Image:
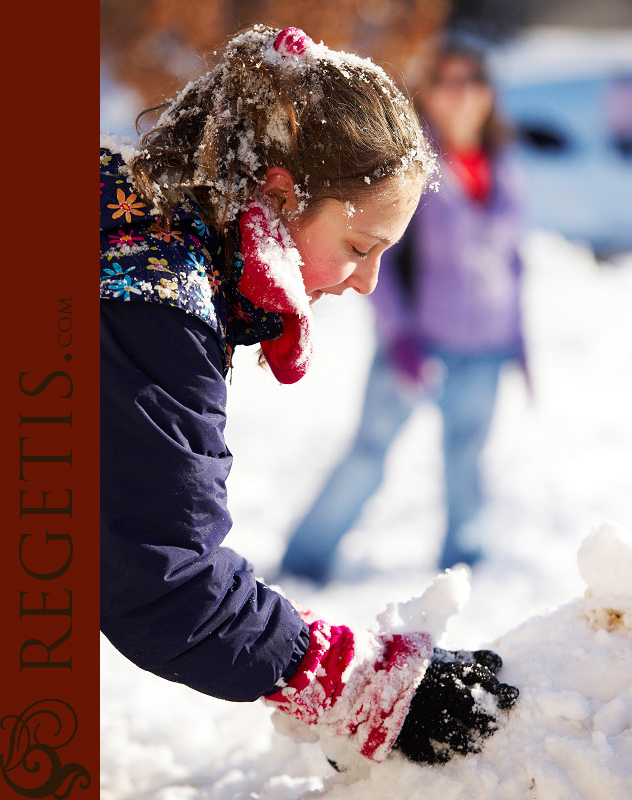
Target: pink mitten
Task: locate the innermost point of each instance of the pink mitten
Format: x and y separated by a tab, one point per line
353	690
272	280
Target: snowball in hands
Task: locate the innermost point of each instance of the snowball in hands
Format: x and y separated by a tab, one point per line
362	694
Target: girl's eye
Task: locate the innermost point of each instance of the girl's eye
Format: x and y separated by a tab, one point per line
358	254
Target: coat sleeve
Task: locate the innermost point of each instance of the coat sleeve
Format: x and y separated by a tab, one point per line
173	600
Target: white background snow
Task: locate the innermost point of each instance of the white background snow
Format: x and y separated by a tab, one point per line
557	466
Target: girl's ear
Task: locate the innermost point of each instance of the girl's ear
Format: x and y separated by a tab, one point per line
278	187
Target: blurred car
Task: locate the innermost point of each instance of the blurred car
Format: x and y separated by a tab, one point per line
574	142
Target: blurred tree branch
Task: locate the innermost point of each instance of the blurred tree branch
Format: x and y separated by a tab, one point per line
155	46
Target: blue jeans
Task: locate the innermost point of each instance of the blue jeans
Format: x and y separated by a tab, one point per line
466	402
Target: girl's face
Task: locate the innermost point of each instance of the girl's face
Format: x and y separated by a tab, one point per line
459	101
341	244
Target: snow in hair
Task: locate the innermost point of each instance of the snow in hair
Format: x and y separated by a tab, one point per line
336	121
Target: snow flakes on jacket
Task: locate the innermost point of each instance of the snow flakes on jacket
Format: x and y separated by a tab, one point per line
143	260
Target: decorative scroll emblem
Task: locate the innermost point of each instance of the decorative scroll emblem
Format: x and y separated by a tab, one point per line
32	767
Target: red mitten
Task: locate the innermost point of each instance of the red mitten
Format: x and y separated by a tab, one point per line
272	280
353	690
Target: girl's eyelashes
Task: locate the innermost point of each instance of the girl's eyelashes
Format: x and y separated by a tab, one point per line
358	254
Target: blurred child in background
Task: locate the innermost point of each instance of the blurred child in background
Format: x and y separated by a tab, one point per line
448	297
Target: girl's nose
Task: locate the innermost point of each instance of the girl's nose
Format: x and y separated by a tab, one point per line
364	279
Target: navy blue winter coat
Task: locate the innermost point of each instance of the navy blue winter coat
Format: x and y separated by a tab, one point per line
173	600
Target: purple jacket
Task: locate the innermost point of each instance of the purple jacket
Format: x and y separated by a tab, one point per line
463	289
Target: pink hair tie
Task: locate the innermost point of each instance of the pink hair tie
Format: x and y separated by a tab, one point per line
292	42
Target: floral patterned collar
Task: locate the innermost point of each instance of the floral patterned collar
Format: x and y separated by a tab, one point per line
182	265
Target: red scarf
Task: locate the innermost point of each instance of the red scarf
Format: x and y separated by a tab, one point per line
473	171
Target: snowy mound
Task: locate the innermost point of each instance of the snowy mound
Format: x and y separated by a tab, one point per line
570	735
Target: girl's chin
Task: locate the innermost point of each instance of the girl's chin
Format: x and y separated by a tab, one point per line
314	296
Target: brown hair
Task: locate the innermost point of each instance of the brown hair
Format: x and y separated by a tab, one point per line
334	120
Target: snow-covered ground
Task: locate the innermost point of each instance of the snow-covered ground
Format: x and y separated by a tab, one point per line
558	467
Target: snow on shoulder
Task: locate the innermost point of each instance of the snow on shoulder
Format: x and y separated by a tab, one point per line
124	145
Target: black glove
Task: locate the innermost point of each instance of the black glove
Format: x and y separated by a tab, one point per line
444	717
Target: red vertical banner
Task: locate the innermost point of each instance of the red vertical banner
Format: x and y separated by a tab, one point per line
49	699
